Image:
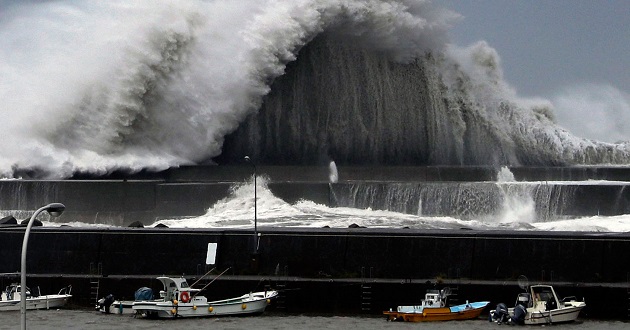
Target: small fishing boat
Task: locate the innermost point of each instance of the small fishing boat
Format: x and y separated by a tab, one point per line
11	297
538	305
178	299
434	308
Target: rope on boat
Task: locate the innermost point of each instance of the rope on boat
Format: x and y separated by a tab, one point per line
204	275
214	279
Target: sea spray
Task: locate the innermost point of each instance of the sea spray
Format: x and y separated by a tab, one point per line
99	87
333	175
517	205
104	86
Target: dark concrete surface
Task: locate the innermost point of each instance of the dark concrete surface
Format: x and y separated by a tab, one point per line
324	270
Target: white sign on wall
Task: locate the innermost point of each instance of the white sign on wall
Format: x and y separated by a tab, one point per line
211	257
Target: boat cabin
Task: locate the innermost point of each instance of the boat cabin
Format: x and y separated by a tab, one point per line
13	292
539	297
433	298
172	287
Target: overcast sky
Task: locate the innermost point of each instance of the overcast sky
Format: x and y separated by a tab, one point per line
575	53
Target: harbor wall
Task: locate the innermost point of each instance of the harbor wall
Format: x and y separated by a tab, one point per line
329	261
239	173
121	199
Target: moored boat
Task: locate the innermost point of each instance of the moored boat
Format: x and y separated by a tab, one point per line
434	308
179	300
538	305
11	297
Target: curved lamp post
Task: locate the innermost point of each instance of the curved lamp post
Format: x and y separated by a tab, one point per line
55	210
247	159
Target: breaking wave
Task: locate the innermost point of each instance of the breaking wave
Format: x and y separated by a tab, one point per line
98	87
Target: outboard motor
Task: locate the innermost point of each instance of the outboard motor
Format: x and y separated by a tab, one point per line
105	303
519	314
500	314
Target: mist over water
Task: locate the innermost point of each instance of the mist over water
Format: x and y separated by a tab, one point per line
606	107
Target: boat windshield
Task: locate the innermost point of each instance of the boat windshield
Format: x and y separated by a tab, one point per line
543	294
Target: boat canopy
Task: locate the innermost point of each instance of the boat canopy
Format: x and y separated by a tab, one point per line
174	283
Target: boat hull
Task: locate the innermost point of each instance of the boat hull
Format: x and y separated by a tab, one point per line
41	302
561	315
437	314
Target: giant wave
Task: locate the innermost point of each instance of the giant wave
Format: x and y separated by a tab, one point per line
99	87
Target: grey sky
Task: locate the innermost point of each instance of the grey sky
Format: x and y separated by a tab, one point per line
573	52
547	44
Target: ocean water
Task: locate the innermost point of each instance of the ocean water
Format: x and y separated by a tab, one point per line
83	319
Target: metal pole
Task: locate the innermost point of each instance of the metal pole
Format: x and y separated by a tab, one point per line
256	237
23	274
255	209
55	210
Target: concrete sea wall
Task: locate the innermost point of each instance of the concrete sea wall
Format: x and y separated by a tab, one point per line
354	270
121	199
312	267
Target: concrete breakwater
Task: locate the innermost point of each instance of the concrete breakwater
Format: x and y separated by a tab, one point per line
121	199
332	270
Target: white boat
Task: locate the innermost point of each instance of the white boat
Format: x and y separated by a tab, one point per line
539	305
11	297
179	300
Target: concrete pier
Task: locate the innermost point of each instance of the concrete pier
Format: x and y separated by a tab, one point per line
353	270
331	270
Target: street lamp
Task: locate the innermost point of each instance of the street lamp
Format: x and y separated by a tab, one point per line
55	210
247	159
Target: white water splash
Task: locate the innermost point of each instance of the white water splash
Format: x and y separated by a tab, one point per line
333	175
99	86
505	175
236	211
518	205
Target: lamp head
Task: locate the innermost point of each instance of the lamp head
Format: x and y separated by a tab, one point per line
55	209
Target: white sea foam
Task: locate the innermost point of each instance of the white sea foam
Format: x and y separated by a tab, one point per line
237	211
146	85
100	86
